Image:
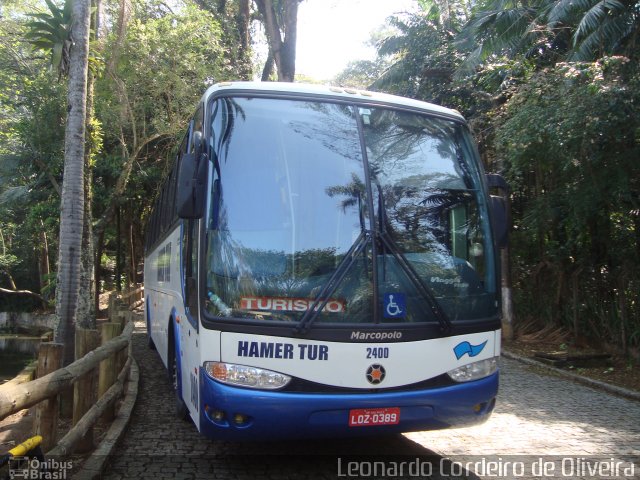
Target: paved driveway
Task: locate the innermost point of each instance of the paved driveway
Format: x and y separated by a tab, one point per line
538	414
540	421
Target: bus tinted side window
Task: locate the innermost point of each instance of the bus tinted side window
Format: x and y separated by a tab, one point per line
190	232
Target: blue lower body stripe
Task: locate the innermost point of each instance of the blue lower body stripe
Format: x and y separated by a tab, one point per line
231	413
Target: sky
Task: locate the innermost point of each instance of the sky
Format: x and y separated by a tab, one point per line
331	33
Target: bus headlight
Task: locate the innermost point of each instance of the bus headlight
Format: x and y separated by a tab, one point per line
243	376
474	371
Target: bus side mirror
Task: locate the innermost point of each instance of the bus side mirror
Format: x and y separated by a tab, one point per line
499	209
191	185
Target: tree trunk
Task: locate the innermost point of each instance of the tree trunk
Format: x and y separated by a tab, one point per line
268	68
288	53
507	299
132	254
124	11
43	264
12	283
72	202
86	310
281	38
118	252
243	20
97	269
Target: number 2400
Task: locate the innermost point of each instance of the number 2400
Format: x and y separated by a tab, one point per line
378	352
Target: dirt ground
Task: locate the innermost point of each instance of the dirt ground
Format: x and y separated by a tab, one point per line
15	429
616	369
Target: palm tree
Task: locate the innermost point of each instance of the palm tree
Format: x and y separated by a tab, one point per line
551	30
512	28
600	27
64	32
72	203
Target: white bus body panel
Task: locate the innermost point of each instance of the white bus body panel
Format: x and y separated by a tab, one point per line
164	303
345	364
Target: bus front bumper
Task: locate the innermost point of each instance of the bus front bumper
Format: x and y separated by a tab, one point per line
232	413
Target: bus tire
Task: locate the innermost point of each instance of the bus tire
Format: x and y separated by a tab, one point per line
181	411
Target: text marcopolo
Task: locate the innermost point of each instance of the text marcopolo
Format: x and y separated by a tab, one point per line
357	335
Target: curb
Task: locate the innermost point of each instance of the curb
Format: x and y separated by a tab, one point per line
597	384
93	466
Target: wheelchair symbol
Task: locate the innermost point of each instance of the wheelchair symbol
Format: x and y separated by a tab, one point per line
394	305
393	309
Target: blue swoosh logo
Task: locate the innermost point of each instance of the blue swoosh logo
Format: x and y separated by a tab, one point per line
464	348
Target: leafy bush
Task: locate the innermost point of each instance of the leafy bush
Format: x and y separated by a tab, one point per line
570	140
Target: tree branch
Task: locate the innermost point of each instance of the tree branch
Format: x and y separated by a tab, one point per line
28	293
274	39
52	179
121	183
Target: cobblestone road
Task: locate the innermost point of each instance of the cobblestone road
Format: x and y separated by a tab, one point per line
537	415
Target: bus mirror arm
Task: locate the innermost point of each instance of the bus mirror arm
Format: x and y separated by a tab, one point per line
191	185
499	205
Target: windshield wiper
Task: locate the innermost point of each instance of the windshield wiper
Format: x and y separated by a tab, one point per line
390	245
341	271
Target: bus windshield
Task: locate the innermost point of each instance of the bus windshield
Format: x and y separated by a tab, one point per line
363	214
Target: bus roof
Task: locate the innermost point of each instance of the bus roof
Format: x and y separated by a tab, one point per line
330	92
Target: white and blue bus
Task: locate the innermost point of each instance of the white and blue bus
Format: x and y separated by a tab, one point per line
322	262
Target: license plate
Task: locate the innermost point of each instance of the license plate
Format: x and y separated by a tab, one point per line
367	417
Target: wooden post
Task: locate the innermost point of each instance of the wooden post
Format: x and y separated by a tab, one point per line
14	398
46	418
122	304
113	296
122	319
113	314
121	356
84	390
108	366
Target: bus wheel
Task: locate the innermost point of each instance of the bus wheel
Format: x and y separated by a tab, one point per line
181	410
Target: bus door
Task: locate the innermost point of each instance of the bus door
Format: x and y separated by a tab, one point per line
190	354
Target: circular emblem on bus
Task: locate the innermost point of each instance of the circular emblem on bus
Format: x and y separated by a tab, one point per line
376	374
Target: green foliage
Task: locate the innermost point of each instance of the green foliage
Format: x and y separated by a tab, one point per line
165	65
569	139
361	73
151	74
423	61
549	30
32	111
599	27
567	135
51	32
7	262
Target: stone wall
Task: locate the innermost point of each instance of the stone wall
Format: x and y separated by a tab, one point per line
39	321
